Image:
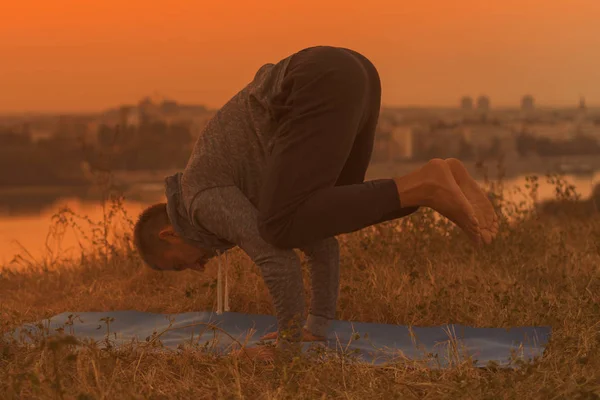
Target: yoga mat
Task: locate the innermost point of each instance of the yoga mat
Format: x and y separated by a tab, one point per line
378	343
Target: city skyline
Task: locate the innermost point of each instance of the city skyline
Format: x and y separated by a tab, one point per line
457	105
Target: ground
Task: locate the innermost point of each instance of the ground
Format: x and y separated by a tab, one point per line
541	270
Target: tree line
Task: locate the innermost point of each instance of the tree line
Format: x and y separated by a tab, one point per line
60	159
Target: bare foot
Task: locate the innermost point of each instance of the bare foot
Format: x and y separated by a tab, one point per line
484	211
434	186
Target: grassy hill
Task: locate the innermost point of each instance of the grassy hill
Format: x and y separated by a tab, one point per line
543	269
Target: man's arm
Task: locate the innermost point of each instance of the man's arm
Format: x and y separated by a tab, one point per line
324	264
226	212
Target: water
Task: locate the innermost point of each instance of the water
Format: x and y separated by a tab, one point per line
27	227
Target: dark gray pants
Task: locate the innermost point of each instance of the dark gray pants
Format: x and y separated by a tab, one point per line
326	115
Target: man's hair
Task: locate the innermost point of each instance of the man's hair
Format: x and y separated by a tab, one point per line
145	233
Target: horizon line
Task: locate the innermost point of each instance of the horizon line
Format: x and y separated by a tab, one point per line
383	106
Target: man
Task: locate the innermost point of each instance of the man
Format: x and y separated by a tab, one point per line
281	166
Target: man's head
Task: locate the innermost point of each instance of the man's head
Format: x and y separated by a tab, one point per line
161	247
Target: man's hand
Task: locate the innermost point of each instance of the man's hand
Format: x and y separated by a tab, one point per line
306	336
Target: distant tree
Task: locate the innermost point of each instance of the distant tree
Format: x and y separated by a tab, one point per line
154	133
545	147
106	136
465	149
10	138
180	134
525	144
495	147
584	144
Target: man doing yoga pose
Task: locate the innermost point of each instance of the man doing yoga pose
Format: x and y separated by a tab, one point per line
281	166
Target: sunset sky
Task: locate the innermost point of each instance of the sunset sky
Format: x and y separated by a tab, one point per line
65	55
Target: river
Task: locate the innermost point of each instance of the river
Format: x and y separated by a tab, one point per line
28	227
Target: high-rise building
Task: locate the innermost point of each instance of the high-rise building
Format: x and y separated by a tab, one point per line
483	103
527	103
580	118
466	103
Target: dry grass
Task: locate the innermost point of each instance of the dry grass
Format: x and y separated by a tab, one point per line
542	270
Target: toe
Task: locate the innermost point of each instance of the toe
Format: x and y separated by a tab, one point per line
477	239
487	236
474	221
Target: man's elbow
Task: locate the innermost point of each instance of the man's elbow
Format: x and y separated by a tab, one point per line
276	233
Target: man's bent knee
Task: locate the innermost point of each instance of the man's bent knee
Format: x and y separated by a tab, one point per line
279	234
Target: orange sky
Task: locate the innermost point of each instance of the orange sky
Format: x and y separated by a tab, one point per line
66	55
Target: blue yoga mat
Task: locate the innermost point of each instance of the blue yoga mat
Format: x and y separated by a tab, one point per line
369	342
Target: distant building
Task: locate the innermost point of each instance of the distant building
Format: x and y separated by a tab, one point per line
403	137
148	110
483	134
527	103
381	146
169	107
581	119
466	103
483	103
563	130
152	109
489	141
393	142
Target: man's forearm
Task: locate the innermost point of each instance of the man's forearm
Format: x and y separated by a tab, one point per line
324	264
226	212
283	276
